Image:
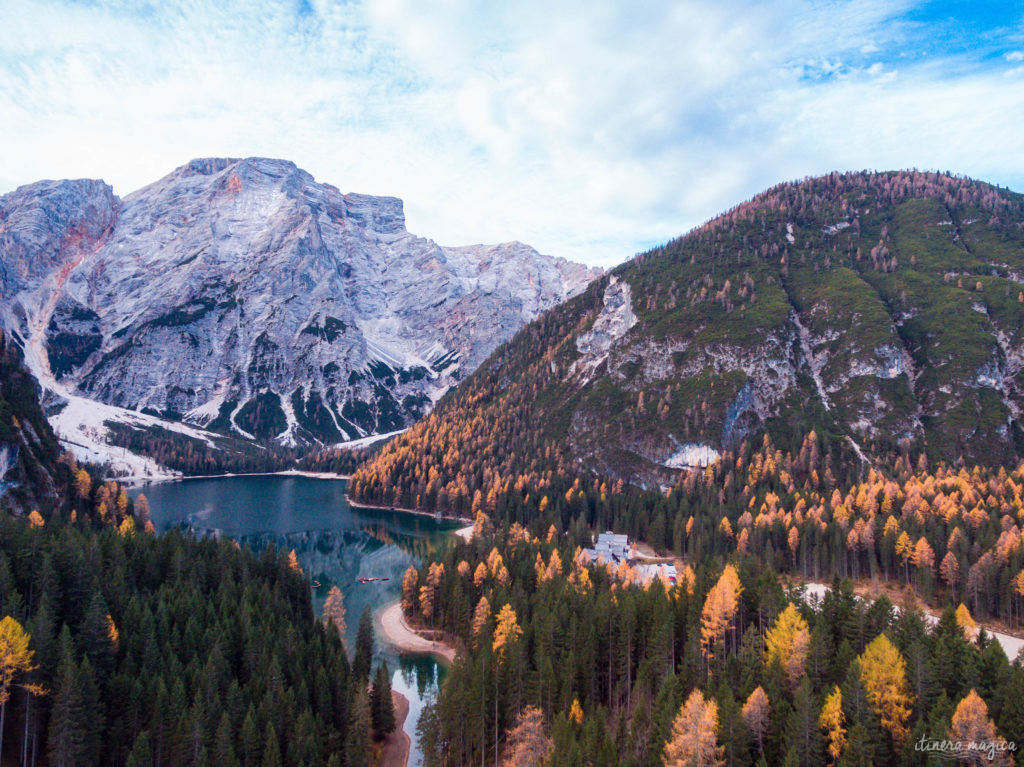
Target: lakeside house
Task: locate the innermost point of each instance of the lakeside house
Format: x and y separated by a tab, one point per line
614	549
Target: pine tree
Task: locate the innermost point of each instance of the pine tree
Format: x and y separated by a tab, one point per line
364	648
382	707
803	737
251	745
141	754
357	744
66	733
271	749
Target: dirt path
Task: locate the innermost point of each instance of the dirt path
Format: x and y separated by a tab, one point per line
395	629
395	750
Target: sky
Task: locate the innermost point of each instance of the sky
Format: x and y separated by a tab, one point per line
590	130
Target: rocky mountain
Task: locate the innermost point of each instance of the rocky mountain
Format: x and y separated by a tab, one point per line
885	311
244	297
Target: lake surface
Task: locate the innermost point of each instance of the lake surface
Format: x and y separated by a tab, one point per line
335	543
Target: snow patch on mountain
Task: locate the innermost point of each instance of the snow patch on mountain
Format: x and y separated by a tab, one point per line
692	456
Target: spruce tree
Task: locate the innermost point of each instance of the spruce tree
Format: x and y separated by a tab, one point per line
382	707
66	734
141	754
364	648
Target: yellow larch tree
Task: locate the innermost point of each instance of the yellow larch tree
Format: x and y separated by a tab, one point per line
972	724
694	738
966	623
554	568
905	551
755	715
832	721
334	607
883	672
480	575
409	582
576	712
788	641
481	617
720	608
507	630
15	659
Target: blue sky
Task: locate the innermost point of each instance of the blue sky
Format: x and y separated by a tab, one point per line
590	130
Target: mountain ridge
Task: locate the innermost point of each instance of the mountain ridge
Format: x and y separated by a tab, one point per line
242	296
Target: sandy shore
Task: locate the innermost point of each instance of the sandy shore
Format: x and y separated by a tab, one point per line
465	533
395	751
404	638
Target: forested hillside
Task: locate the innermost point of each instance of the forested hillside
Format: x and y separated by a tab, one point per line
883	311
121	647
29	473
567	663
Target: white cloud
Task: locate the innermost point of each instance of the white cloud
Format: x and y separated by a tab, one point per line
1015	56
589	132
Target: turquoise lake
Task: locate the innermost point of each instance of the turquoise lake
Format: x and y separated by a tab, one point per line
336	544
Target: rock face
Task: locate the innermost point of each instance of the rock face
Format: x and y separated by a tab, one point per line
243	296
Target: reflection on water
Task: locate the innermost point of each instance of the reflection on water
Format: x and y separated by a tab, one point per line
335	543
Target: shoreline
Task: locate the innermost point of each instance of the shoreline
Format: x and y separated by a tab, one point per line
397	745
136	480
420	512
401	636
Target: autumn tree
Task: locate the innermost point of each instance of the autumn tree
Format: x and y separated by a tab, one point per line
832	721
720	608
755	715
693	741
83	484
527	743
949	569
972	724
506	630
966	623
334	610
15	659
884	676
787	642
481	617
409	582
